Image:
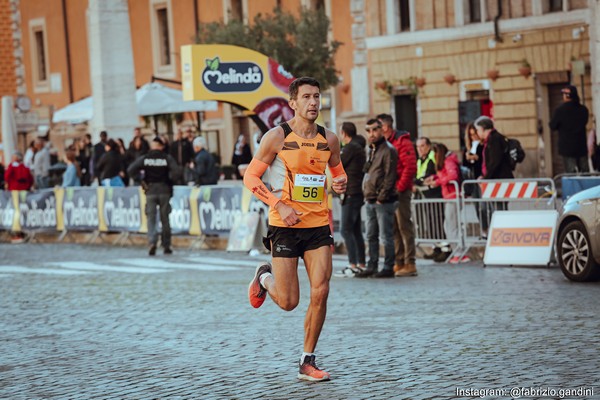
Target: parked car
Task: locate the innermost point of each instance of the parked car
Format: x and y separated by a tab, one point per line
578	236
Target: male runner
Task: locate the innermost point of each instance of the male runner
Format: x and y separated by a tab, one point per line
298	152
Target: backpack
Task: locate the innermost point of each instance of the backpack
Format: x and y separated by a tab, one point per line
515	152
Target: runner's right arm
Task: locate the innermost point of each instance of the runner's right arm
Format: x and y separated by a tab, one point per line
271	143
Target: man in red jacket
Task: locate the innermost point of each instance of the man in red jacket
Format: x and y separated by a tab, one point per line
17	176
404	230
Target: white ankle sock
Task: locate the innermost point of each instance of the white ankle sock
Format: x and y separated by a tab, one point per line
263	277
304	355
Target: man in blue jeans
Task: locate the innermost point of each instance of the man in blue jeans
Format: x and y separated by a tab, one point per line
379	189
353	159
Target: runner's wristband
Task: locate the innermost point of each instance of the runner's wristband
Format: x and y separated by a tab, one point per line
338	171
252	180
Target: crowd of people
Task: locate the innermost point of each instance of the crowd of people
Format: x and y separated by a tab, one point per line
106	162
392	171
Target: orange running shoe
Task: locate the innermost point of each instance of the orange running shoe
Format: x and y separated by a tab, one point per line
310	372
256	293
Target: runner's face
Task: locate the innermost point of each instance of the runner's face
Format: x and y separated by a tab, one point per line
307	103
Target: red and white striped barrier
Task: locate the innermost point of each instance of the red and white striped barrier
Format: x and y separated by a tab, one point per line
509	190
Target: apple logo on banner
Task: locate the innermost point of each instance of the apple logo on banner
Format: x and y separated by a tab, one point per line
231	76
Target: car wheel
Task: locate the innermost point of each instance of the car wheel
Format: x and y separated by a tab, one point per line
575	253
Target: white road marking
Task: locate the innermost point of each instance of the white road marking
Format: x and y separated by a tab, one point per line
87	266
159	263
47	271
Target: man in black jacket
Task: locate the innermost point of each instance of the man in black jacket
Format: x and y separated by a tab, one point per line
353	159
160	170
182	151
496	158
570	120
495	165
379	188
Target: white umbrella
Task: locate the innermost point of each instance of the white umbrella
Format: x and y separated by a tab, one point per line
9	129
75	113
152	98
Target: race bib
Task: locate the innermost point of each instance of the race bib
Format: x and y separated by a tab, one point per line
308	188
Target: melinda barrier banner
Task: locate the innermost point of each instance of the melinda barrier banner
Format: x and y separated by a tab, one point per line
210	210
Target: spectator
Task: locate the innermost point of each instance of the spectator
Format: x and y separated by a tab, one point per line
17	175
404	231
242	155
448	174
41	164
144	145
84	158
134	152
570	120
164	138
181	149
495	165
183	153
124	161
109	167
72	175
97	152
205	167
29	154
473	154
496	159
353	160
380	194
425	168
2	172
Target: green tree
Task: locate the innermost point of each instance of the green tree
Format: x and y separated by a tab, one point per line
299	44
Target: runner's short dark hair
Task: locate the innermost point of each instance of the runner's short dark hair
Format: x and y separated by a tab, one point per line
305	80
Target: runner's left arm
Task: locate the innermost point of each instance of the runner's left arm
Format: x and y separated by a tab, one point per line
340	179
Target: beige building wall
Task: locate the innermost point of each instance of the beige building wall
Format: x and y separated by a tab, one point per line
450	67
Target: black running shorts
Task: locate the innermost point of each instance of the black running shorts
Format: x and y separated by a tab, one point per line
293	242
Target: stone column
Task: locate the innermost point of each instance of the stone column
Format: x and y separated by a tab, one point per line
595	57
360	74
111	69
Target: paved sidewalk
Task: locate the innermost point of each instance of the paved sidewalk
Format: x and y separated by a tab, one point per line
89	322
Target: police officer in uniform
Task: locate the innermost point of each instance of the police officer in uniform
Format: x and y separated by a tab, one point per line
160	171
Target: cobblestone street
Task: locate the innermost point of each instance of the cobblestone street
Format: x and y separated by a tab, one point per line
89	322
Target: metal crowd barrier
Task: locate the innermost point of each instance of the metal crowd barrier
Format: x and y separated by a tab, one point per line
438	220
488	196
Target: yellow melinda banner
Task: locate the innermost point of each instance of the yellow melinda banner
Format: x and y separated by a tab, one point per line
237	75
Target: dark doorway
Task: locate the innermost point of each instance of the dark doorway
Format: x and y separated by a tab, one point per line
405	107
555	100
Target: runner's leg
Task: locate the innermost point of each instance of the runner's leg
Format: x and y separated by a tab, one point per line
318	268
283	286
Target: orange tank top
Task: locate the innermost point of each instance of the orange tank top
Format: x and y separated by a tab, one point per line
301	166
